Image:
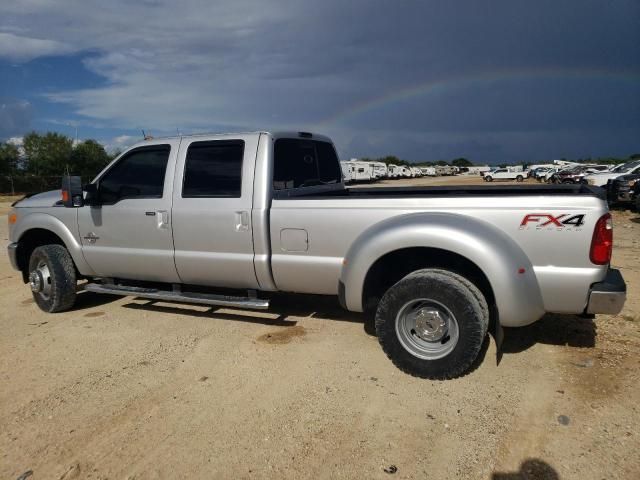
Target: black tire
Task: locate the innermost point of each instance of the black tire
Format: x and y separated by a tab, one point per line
488	179
60	277
462	299
519	178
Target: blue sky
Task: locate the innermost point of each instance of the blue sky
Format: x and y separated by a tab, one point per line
493	81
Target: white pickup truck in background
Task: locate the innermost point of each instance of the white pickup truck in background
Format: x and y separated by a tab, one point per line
503	174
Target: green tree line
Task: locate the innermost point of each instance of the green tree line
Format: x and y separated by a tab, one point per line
52	154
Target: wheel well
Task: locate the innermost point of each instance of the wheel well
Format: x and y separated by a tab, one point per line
393	266
29	241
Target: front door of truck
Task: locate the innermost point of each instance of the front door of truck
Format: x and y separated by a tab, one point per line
212	203
127	233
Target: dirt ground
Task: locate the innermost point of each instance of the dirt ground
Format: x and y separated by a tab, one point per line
121	388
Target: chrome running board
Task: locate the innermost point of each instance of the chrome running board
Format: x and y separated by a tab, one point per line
249	302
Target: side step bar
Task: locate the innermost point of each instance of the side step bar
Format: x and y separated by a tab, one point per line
183	297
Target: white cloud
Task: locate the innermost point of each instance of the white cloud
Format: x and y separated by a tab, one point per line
17	47
119	143
200	66
17	141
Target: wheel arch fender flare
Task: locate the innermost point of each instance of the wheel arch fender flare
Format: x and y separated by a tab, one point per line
44	221
506	266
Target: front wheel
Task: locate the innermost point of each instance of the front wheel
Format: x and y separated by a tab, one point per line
488	179
52	278
432	324
519	178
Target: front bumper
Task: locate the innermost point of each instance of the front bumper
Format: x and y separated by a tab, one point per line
608	296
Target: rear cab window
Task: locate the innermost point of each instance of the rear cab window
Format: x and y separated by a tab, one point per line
213	169
304	163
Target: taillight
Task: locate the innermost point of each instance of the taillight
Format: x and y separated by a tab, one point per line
602	242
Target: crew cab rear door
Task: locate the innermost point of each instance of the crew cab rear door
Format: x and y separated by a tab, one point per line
212	202
127	234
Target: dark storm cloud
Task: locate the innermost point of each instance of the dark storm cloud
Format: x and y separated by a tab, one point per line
485	79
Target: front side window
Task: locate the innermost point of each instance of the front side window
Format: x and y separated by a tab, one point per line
139	174
213	169
304	163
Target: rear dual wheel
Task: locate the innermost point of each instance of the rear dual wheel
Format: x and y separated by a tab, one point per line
432	324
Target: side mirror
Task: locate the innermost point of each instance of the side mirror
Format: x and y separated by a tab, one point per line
72	191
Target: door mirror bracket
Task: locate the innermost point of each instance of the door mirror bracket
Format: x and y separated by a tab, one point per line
92	194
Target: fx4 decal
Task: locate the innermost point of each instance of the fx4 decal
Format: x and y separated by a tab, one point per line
542	220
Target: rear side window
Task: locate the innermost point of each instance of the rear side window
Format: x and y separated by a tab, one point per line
303	163
139	174
213	169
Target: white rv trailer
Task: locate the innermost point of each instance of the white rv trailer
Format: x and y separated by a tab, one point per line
362	172
356	171
346	168
446	170
477	169
404	172
428	171
416	171
380	169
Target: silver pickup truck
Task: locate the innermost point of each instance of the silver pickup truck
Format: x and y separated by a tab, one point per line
223	219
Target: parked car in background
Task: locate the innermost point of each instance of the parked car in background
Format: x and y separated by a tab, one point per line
576	174
503	174
620	190
601	179
538	172
546	175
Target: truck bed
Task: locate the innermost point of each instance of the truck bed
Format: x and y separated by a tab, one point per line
442	191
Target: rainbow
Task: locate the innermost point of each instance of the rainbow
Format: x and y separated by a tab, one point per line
442	86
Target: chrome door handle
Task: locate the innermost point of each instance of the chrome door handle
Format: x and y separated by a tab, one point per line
242	221
163	219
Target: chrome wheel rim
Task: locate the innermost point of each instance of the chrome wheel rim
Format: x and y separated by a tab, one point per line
40	280
427	329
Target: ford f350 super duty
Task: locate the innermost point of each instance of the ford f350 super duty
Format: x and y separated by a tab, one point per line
194	218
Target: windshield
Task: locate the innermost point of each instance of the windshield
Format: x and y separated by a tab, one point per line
304	163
